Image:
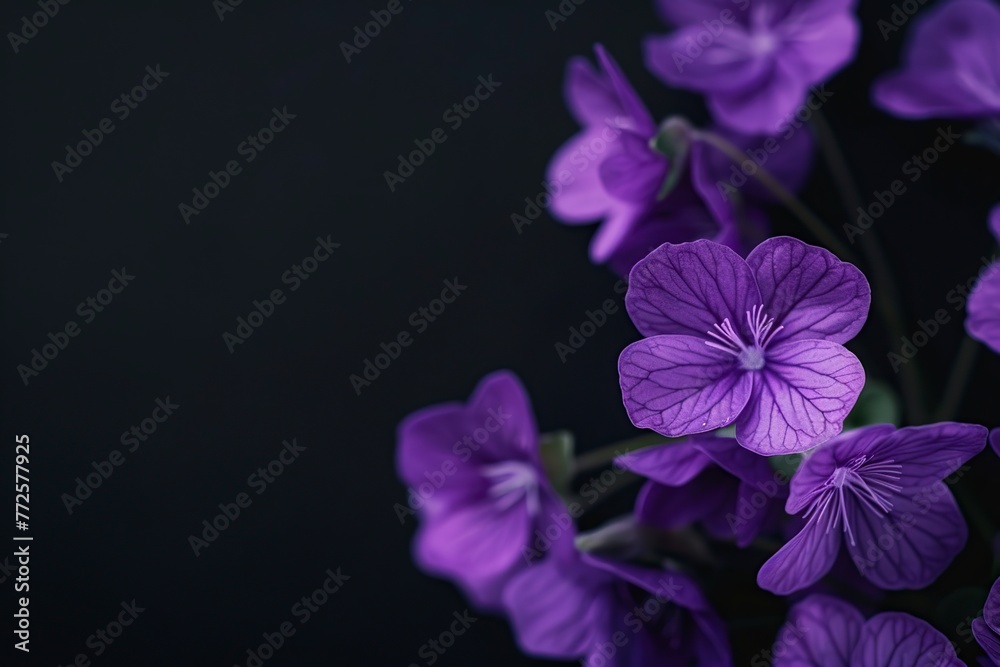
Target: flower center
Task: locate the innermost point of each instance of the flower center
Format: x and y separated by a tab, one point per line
872	483
511	482
750	357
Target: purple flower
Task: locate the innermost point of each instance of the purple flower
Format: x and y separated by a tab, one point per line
952	65
983	322
757	342
614	614
987	628
882	489
754	61
731	491
824	631
484	492
610	172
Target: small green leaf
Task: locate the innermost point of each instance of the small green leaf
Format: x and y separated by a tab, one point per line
878	404
557	450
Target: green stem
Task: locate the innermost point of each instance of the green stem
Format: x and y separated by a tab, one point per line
961	371
603	456
811	221
887	291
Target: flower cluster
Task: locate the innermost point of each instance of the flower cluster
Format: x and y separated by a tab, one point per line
762	454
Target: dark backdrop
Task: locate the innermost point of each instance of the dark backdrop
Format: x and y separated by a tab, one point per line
162	336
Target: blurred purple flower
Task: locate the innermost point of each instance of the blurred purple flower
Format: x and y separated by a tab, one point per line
983	322
488	492
612	614
882	488
824	631
609	171
754	61
707	479
951	65
757	342
987	628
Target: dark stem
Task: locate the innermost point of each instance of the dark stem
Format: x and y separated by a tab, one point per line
886	293
961	371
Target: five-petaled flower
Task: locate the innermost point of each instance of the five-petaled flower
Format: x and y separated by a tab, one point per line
757	342
987	629
754	61
880	491
492	493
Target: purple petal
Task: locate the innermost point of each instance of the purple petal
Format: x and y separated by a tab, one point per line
636	173
762	106
755	510
638	117
895	639
819	466
734	459
576	165
991	612
988	639
913	544
683	12
952	64
477	545
501	401
821	631
802	561
800	398
590	96
821	46
665	585
615	231
930	453
678	385
983	321
426	439
726	61
559	608
808	291
669	507
672	465
688	288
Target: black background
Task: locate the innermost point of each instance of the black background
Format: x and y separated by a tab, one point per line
162	336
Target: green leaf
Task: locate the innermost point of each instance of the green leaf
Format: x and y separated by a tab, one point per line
878	404
557	450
